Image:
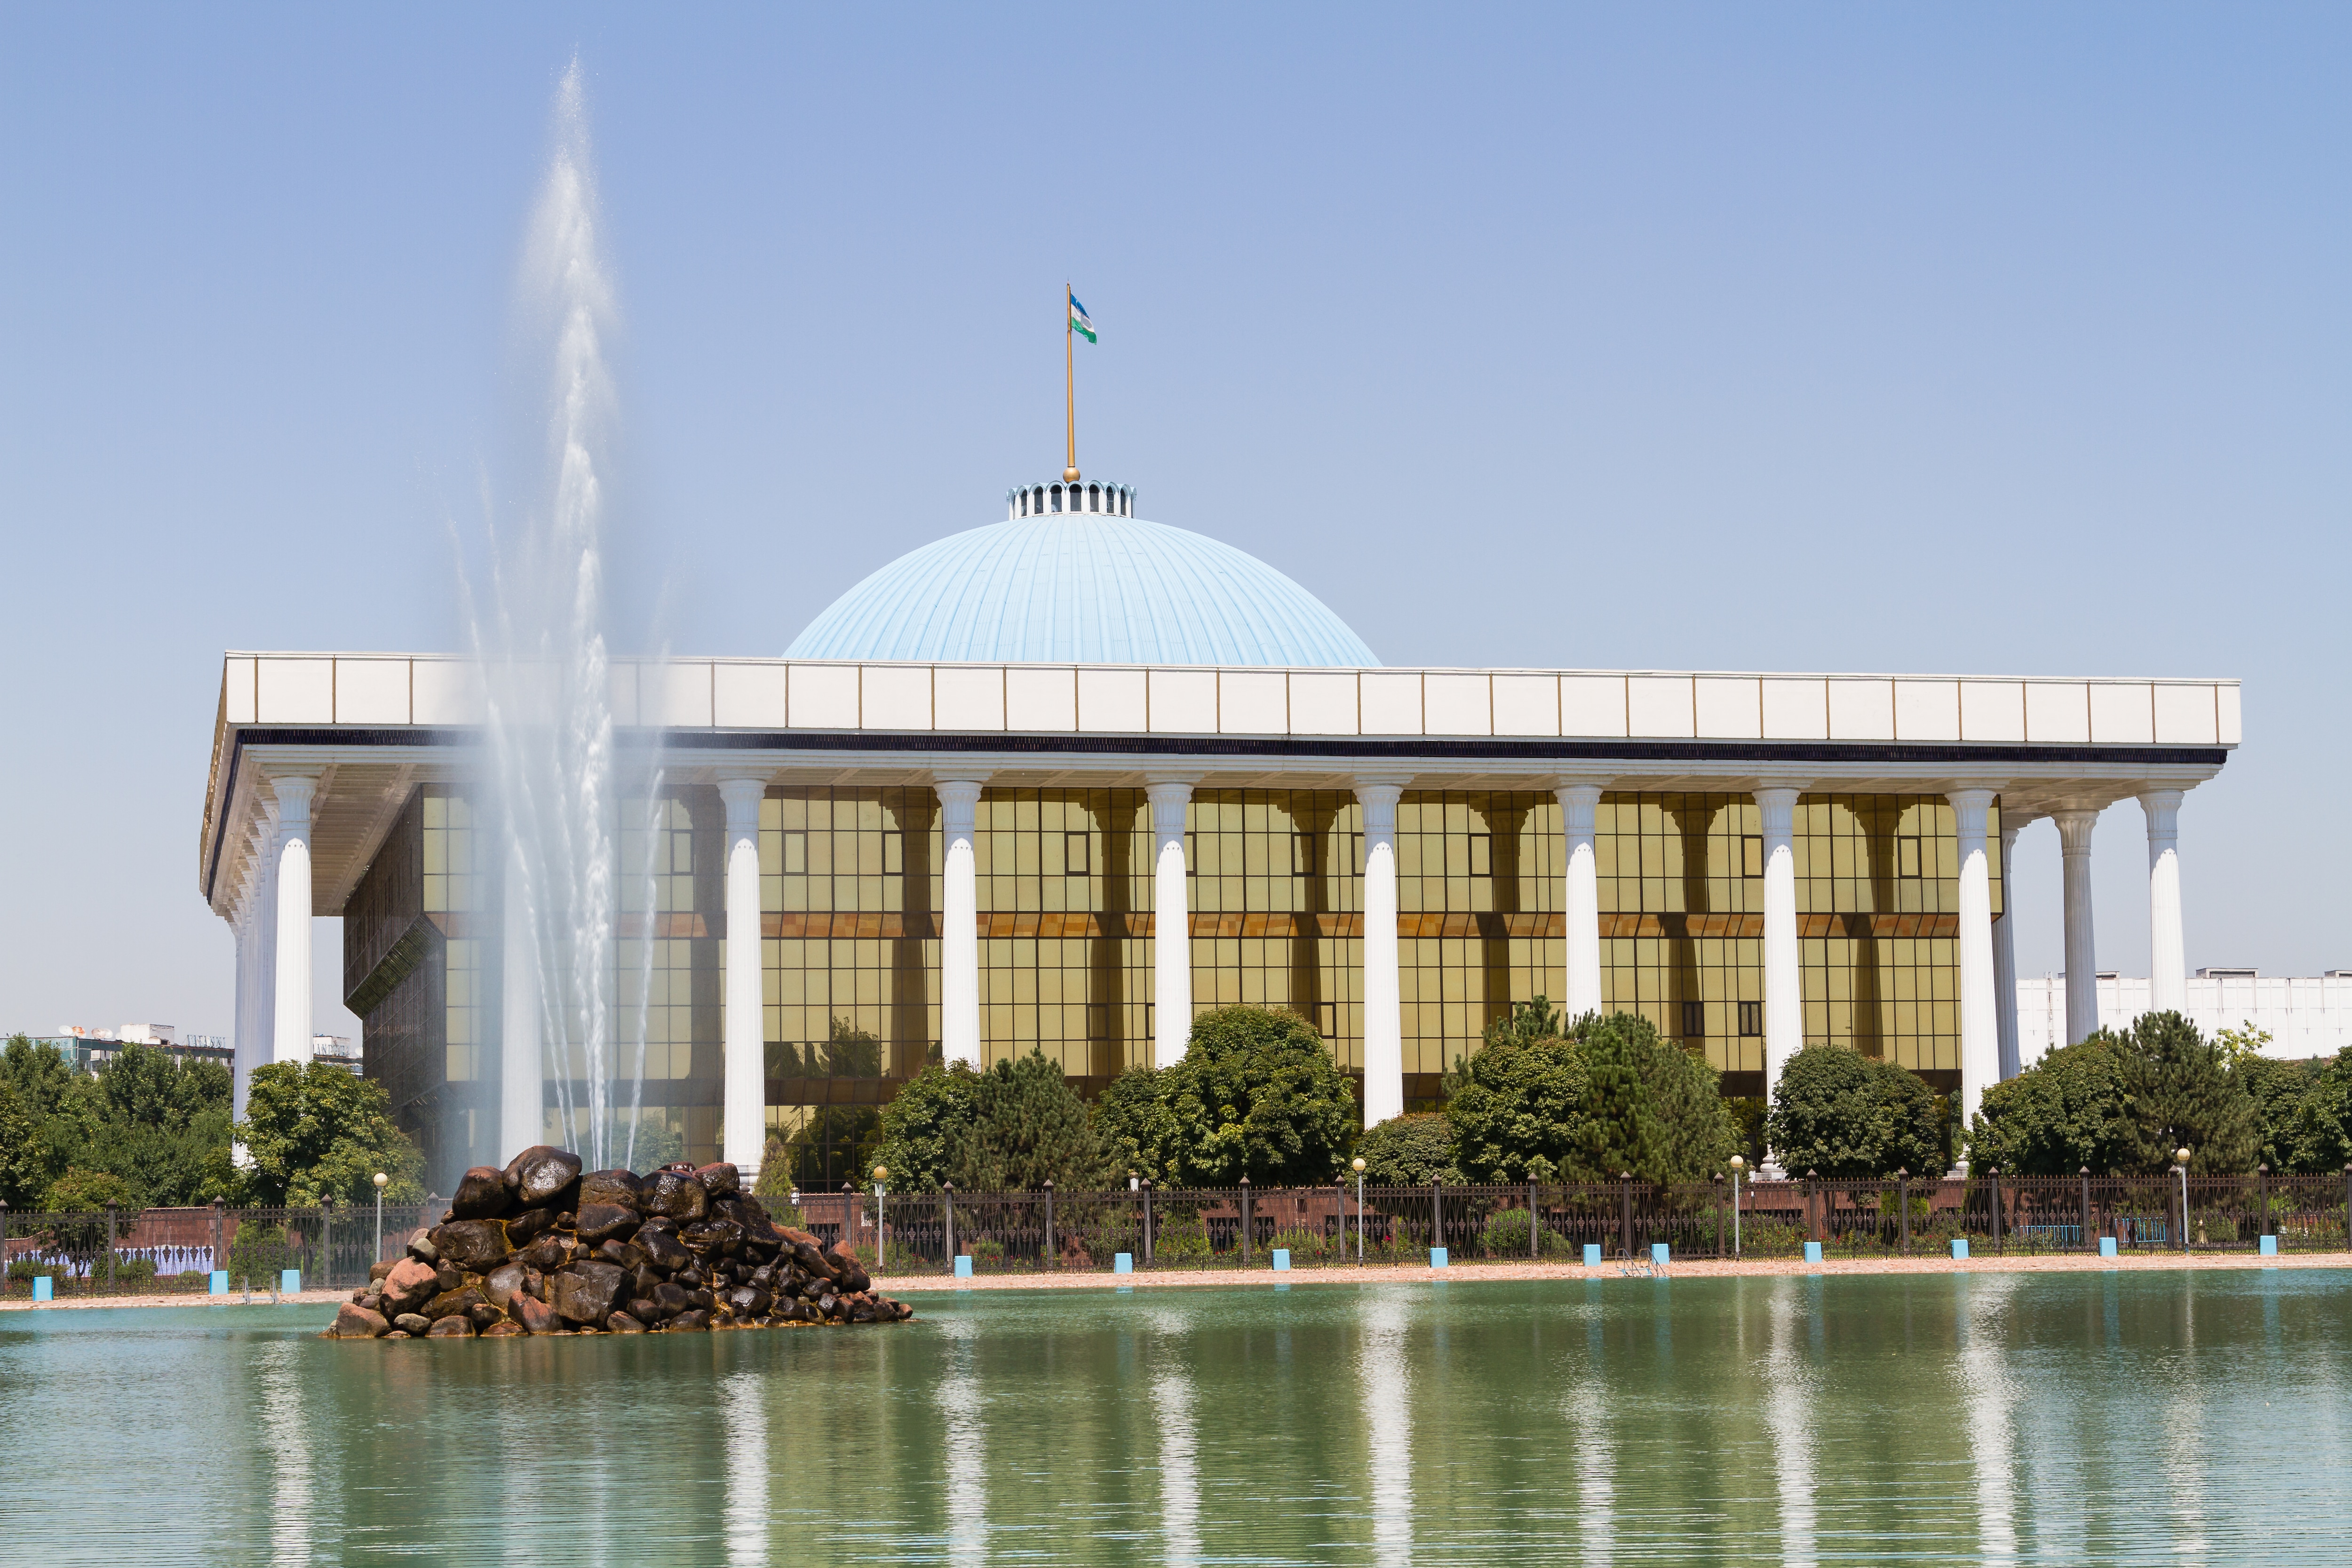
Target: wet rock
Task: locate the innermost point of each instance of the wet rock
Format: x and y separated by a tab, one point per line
502	1330
681	1197
522	1228
644	1309
721	1180
748	1300
420	1247
702	1298
481	1193
353	1322
452	1303
410	1283
503	1283
378	1270
586	1292
851	1273
671	1299
663	1250
690	1322
624	1255
476	1245
484	1315
452	1329
623	1323
604	1221
618	1188
644	1281
413	1322
862	1313
536	1316
540	1174
708	1238
450	1275
548	1254
399	1334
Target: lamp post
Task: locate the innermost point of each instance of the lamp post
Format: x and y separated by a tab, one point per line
1737	1165
1358	1167
2181	1159
381	1182
881	1174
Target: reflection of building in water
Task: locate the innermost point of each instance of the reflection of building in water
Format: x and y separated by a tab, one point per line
981	788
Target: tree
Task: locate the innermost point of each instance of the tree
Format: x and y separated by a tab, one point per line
1257	1095
1410	1151
2320	1138
80	1191
157	1123
1841	1113
1519	1109
1028	1128
1696	1134
314	1131
26	1168
2279	1090
1137	1127
2066	1112
2181	1091
924	1125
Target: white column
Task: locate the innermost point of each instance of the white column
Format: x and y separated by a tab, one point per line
960	924
261	894
2004	952
292	1027
523	1039
2168	975
1979	1030
1581	902
1171	925
743	1115
1784	995
2082	945
1383	1006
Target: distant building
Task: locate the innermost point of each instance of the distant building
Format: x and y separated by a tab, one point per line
86	1050
336	1051
2309	1016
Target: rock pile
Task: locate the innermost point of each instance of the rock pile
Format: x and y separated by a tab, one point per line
541	1248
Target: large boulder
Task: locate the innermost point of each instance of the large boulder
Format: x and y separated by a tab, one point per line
537	1316
548	1254
476	1246
481	1193
504	1284
414	1323
452	1329
679	1197
453	1303
852	1274
587	1292
410	1285
663	1250
619	1188
523	1227
622	1323
353	1322
720	1180
540	1174
603	1222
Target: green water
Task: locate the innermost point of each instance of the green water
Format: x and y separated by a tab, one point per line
2057	1418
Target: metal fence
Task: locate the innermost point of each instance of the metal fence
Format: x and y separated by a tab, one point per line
176	1250
1242	1227
169	1251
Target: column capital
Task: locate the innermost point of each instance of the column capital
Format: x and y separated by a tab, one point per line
292	795
1162	789
1972	796
2163	808
2074	825
1389	787
959	792
743	796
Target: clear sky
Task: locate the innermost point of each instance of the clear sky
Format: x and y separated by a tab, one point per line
1974	339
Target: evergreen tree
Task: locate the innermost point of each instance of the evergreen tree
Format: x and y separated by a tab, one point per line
2067	1112
925	1125
1257	1095
1410	1151
1136	1125
25	1168
2320	1137
1029	1127
1621	1134
314	1131
1843	1114
1696	1133
2279	1088
2182	1091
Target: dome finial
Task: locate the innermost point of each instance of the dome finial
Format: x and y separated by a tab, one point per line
1073	323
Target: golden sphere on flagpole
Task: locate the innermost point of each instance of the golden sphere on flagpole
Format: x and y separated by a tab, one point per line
1068	475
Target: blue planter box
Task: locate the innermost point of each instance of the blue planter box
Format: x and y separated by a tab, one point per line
1812	1252
1593	1255
1658	1253
964	1267
1437	1258
219	1283
1959	1247
1122	1263
2270	1246
44	1288
1282	1257
290	1282
2106	1247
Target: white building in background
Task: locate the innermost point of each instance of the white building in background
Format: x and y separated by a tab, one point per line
2307	1016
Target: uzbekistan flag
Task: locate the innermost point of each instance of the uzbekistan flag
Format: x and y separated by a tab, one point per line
1078	321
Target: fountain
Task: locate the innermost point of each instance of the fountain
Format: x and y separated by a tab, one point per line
541	1248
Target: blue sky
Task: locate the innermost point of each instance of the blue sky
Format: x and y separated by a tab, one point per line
1978	339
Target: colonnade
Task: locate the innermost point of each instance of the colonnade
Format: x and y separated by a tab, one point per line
272	910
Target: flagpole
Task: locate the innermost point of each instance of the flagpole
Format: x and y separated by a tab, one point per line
1070	381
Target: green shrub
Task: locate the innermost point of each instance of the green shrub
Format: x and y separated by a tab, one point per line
1842	1114
1409	1152
129	1269
1304	1245
1180	1238
31	1269
1505	1235
259	1251
987	1249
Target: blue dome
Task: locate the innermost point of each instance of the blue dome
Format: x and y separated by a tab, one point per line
1081	589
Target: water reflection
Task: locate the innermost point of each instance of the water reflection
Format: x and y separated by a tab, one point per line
1383	1387
744	1415
967	1446
1789	1401
283	1426
2184	1431
1596	1475
1988	1393
1180	1475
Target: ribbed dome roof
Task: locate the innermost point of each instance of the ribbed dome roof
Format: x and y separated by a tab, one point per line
1081	588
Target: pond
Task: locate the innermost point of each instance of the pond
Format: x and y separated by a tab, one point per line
2061	1417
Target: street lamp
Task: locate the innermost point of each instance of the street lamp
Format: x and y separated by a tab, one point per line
1359	1168
881	1174
2181	1159
382	1181
1737	1165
